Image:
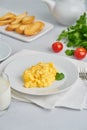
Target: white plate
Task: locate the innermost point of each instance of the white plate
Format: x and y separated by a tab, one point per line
5	50
15	69
48	27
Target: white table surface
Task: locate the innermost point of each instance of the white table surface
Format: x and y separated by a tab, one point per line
24	116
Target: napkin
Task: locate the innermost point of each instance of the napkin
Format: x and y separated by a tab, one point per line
74	98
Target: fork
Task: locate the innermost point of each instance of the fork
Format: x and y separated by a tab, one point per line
83	73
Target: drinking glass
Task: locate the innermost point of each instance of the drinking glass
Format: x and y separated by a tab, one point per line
5	95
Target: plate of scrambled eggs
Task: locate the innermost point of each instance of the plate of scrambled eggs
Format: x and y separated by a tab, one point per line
35	74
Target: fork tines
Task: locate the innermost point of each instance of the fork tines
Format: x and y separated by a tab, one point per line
83	73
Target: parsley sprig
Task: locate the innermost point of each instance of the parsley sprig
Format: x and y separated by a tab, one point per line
59	76
76	35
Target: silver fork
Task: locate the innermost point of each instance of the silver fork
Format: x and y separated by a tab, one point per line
83	73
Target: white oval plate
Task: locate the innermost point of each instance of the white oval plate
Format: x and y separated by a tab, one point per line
15	69
5	50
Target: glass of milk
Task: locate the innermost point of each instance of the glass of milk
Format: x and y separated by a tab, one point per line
5	95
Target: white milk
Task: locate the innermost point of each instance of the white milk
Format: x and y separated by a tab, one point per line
5	94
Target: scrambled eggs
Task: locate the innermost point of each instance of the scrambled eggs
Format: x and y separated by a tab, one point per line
40	75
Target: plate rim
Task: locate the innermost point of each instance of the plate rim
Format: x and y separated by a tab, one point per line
47	93
9	53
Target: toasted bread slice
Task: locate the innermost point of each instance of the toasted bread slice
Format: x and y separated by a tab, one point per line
19	18
7	16
20	29
5	22
16	21
35	28
28	20
12	27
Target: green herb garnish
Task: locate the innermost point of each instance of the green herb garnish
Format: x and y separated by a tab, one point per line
76	35
59	76
69	52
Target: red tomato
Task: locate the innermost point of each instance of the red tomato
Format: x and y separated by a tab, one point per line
57	46
80	53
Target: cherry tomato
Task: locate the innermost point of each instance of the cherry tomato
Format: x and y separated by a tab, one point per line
80	53
57	46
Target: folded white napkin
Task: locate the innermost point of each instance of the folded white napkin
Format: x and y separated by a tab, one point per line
75	98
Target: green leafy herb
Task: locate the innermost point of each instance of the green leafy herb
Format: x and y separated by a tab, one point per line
76	35
62	35
69	52
59	76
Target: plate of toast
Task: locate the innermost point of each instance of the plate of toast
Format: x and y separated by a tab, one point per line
22	26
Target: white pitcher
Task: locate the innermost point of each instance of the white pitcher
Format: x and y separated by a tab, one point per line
66	12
